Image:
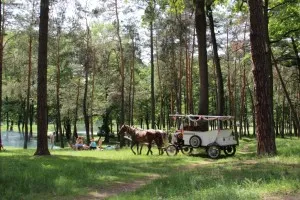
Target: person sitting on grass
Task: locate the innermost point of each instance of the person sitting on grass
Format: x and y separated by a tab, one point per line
100	143
79	143
93	144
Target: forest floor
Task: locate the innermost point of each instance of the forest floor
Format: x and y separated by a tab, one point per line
125	187
119	188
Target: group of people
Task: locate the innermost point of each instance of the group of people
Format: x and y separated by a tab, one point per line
79	144
93	145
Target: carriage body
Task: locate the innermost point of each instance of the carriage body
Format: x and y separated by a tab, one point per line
213	141
221	137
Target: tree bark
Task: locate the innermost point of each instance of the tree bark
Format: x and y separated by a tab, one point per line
191	102
152	78
269	62
58	115
200	24
28	92
220	85
75	134
122	71
42	121
265	135
294	113
1	67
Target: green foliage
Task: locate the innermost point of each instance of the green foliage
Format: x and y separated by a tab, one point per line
284	18
176	6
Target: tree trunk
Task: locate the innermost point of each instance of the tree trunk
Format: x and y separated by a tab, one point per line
282	117
1	68
243	111
122	71
191	102
152	77
297	130
179	78
93	91
131	84
269	62
122	66
28	91
220	85
85	109
75	135
58	117
31	115
294	113
200	24
265	132
230	98
42	121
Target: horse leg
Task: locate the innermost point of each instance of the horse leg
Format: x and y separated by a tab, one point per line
149	149
132	145
141	147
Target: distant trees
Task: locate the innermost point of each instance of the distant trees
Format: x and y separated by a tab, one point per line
107	68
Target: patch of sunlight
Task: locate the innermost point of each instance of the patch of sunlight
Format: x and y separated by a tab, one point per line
47	166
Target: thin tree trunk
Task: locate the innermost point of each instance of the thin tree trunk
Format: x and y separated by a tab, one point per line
122	70
161	114
297	131
85	107
28	91
282	117
187	76
295	117
179	78
75	135
92	95
220	85
152	77
191	102
58	117
230	95
243	114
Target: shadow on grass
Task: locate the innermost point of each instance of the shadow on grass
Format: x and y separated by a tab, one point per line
26	176
68	174
223	181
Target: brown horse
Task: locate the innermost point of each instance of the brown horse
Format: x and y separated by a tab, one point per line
161	136
139	136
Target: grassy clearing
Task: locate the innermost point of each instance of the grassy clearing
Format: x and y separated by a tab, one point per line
68	174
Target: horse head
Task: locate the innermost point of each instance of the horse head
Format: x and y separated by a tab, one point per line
122	130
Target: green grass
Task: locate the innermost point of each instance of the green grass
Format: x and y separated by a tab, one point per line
67	174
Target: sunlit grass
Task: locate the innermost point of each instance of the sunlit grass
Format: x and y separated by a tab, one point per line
67	174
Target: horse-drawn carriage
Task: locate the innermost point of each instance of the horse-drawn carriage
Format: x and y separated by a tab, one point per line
191	135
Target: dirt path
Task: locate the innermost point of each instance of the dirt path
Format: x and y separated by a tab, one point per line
118	188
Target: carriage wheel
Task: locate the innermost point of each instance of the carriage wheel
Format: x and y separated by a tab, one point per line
195	141
186	150
229	150
213	151
171	150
